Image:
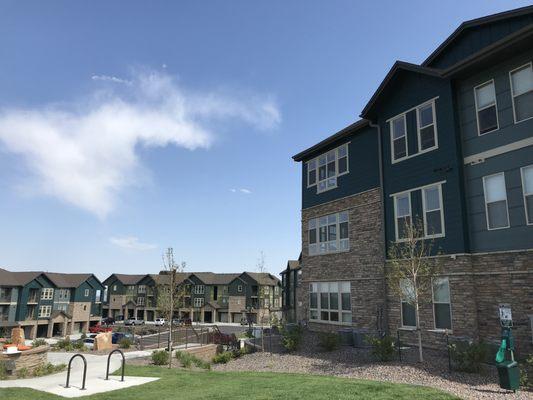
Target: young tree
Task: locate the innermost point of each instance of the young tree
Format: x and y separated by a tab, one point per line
410	271
170	292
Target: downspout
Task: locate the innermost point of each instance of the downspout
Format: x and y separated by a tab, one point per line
385	316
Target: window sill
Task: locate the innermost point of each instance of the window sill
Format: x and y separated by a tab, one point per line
407	328
318	321
328	253
443	331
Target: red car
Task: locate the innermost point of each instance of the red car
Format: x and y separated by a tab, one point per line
100	329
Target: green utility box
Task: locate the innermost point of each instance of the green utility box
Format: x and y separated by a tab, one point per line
509	375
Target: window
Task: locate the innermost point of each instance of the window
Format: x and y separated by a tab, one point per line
496	201
97	295
433	214
140	301
239	288
522	92
427	132
399	137
199	289
45	311
329	234
141	289
324	170
402	209
63	294
486	108
527	187
47	294
62	307
311	173
441	303
5	295
198	302
86	293
408	310
330	302
114	288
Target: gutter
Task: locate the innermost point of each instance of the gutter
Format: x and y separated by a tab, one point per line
385	328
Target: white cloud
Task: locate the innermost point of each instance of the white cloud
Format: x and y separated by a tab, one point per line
242	190
85	153
107	78
131	242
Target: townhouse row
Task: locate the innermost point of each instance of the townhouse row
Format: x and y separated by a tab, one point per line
48	304
447	143
207	297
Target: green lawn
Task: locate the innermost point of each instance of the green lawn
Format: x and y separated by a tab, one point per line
189	385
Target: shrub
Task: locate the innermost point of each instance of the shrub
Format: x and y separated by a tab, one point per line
124	343
83	336
64	344
3	371
291	336
185	359
47	369
22	373
223	357
468	356
328	341
39	342
160	357
382	348
526	373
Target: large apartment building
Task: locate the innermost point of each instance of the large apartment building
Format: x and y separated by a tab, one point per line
208	297
49	304
448	143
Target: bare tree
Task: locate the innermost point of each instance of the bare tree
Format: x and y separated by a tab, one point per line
261	265
411	269
170	293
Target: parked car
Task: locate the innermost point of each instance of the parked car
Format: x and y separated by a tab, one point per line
89	343
108	321
134	321
160	321
98	328
117	336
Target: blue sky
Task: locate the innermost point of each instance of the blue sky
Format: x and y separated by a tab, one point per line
128	127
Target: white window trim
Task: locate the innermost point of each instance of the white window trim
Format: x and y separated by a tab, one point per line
340	310
47	294
439	235
395	160
396	236
141	289
338	241
506	203
421	188
239	288
197	289
435	302
434	99
418	128
530	64
337	174
524	195
198	302
477	110
407	327
47	311
87	292
140	301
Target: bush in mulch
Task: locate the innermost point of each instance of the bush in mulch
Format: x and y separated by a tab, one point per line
526	373
468	356
291	337
160	357
187	360
382	348
328	341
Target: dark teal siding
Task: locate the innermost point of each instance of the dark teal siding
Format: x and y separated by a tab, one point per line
363	165
442	164
474	39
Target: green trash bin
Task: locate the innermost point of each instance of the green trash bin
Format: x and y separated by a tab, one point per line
509	375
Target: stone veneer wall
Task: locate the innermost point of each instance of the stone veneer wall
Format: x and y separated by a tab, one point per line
29	359
479	283
362	265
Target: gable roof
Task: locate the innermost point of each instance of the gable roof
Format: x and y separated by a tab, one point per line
62	280
211	278
344	132
8	278
467	25
263	278
128	279
397	67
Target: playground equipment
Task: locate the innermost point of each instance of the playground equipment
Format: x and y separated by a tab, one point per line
508	372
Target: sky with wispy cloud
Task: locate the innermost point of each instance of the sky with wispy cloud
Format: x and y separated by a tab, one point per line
128	127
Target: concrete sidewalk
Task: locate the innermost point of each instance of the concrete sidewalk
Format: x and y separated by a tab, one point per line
95	382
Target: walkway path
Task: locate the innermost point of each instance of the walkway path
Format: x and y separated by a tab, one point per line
95	383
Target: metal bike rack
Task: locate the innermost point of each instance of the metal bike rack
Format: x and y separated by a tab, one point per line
84	370
109	360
